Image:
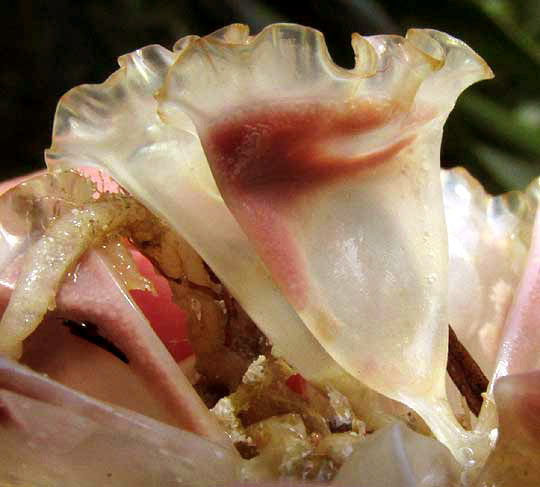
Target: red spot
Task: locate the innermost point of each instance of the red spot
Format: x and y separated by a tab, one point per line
297	383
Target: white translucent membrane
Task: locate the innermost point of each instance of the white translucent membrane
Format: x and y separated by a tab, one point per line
361	255
25	213
23	221
519	349
397	456
494	245
115	127
53	436
520	336
488	240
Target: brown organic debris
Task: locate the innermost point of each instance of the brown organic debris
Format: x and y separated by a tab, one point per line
465	373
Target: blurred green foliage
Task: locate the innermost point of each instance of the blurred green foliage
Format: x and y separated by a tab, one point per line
495	129
52	46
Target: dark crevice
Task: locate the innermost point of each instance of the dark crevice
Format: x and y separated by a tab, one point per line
90	332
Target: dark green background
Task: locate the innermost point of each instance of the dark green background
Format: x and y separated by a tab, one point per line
49	47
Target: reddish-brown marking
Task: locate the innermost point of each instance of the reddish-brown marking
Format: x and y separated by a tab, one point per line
270	148
264	159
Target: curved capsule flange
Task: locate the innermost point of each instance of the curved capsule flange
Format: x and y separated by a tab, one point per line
334	177
331	175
